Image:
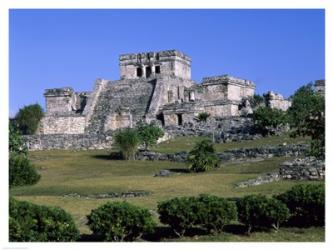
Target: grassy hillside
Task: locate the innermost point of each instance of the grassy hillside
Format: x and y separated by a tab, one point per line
92	172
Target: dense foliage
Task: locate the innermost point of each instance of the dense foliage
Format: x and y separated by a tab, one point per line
27	119
202	157
16	144
21	171
306	204
261	211
203	116
208	212
30	222
256	101
266	119
127	140
120	221
307	117
148	133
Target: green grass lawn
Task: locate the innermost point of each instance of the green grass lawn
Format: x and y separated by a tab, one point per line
92	172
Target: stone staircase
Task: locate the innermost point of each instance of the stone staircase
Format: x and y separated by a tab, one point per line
132	95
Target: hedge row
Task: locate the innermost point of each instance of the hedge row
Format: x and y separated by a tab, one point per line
30	222
303	205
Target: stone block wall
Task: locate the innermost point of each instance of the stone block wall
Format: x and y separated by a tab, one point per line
69	141
308	168
276	100
62	125
150	64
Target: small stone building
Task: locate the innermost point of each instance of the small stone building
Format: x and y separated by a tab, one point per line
153	86
276	100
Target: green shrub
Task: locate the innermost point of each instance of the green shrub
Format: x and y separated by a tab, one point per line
202	157
207	212
202	117
128	141
21	171
30	222
120	221
260	211
215	212
28	118
178	213
306	204
16	144
267	119
149	133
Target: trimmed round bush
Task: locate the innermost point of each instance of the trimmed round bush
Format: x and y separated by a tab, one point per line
120	221
306	204
261	211
21	171
30	222
207	212
215	212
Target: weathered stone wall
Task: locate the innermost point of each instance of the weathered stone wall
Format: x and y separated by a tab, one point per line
59	100
224	109
169	62
308	168
275	100
225	87
70	141
232	155
320	87
62	124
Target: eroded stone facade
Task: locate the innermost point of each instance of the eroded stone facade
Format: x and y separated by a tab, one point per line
153	86
277	101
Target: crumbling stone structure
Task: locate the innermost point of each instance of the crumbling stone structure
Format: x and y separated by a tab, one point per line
276	100
154	86
320	87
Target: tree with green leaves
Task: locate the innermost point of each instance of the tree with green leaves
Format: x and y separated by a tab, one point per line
203	116
267	119
307	118
202	157
148	133
27	119
127	140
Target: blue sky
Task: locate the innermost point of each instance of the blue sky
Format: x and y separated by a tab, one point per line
279	50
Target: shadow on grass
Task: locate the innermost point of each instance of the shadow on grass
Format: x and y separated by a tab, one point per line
166	233
111	156
237	229
179	170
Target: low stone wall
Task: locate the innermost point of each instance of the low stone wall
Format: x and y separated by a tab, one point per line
308	168
231	155
68	141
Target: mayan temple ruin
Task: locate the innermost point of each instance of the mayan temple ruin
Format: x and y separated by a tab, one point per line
153	86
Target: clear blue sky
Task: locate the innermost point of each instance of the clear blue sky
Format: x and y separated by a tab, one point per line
279	50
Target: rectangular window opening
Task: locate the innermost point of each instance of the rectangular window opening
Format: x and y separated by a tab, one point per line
139	72
157	70
148	71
